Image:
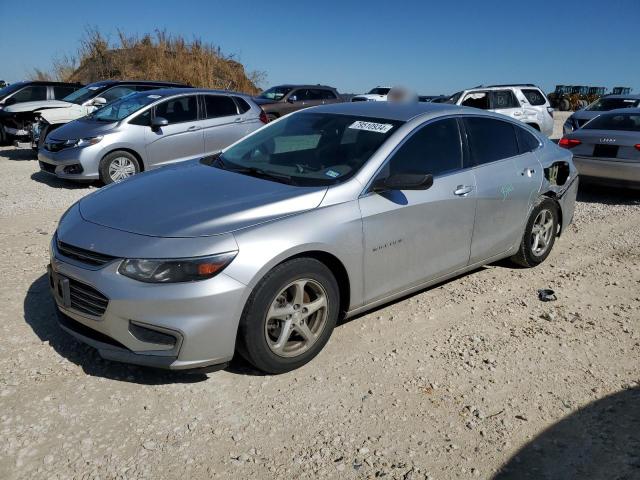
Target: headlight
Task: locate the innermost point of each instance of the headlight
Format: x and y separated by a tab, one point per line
82	142
175	270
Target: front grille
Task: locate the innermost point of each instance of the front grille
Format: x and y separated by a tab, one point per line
54	145
47	167
85	331
359	99
86	299
82	255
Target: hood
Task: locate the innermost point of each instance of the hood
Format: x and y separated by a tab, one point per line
194	200
264	101
39	105
83	128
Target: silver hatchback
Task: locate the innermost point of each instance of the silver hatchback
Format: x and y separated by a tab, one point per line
146	130
325	212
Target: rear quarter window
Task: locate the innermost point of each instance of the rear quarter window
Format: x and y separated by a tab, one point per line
243	106
534	96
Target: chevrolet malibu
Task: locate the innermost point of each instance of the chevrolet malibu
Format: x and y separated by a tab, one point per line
327	212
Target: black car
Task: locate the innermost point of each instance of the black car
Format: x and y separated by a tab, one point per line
31	91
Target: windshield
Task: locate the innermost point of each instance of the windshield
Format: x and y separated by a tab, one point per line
605	104
379	91
10	89
629	122
275	93
453	98
85	93
123	107
309	149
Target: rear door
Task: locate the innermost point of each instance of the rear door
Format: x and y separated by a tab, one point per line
222	123
182	139
416	235
508	181
506	103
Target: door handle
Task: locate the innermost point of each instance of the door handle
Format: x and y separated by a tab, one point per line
462	190
193	128
528	172
517	114
238	120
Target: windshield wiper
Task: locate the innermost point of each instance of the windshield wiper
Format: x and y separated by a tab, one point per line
259	173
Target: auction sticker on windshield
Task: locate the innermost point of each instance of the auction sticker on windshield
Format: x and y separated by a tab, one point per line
371	126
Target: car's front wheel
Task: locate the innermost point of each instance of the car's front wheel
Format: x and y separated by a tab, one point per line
118	166
539	234
289	316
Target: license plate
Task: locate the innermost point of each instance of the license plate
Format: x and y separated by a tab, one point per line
59	287
605	151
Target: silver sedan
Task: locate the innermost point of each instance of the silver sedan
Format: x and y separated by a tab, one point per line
327	212
607	149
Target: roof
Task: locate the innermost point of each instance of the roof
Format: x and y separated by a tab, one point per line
617	111
393	111
303	85
42	82
165	92
626	97
139	82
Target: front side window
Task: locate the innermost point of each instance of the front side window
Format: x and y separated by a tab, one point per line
219	106
177	110
435	149
490	139
117	92
275	93
302	95
628	122
476	100
605	104
309	149
379	91
61	91
120	109
30	94
504	99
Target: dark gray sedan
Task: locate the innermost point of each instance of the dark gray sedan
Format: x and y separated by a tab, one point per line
603	104
607	149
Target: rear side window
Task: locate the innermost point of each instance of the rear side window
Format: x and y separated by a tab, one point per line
434	149
30	94
490	139
219	106
526	141
243	106
534	96
504	99
59	92
177	110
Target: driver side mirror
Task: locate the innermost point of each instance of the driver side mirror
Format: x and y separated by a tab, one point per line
99	101
403	181
292	99
158	122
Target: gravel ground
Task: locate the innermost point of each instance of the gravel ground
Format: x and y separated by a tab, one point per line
474	378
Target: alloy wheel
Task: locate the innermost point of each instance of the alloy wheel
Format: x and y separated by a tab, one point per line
541	232
296	318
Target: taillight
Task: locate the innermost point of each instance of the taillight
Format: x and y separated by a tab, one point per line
637	145
550	111
568	142
263	117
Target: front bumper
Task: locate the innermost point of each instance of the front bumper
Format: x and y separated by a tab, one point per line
609	171
201	317
85	159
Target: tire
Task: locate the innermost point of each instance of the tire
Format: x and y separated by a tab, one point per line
43	135
117	166
565	105
261	334
3	135
272	117
530	252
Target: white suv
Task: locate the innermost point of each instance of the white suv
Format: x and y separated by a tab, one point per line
377	94
524	102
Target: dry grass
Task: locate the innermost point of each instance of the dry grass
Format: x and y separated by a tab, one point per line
152	57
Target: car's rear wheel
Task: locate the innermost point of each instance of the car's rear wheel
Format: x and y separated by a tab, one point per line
272	117
539	234
118	166
290	316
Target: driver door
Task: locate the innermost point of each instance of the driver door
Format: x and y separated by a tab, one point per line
412	236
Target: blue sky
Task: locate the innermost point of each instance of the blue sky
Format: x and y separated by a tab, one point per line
433	47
